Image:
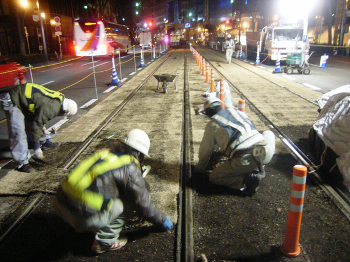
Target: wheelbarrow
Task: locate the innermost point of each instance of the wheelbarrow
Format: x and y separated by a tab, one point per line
165	79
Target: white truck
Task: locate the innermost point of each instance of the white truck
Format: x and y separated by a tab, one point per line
274	40
145	39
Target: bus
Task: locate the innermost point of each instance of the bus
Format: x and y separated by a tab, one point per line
94	37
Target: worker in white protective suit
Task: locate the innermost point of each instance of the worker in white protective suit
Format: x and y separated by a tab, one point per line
246	149
230	47
28	107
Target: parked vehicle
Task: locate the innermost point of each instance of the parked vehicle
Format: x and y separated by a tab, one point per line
11	74
145	39
275	41
95	37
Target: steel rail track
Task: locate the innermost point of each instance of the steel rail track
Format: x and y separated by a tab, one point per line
185	242
340	199
33	204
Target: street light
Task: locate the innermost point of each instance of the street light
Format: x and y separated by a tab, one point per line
302	7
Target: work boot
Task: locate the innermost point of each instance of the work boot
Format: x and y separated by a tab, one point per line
25	168
251	184
48	144
99	248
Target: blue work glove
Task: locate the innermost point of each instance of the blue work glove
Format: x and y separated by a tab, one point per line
167	225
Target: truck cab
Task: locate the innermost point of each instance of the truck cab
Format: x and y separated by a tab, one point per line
279	41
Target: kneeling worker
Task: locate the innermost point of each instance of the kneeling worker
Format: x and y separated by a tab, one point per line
102	191
28	107
245	148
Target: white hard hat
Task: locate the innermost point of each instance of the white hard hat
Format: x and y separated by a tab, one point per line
270	148
210	101
139	140
69	107
229	36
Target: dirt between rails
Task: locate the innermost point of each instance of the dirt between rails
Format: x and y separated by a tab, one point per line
227	227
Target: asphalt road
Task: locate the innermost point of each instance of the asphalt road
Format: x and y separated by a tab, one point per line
335	74
86	80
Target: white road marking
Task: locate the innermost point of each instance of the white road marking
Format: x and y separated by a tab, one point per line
132	73
56	68
47	83
88	103
288	77
311	86
109	89
123	80
90	63
98	65
59	124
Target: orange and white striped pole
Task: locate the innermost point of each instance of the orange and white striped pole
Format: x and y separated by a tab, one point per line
207	73
222	92
241	105
212	87
290	245
200	62
203	68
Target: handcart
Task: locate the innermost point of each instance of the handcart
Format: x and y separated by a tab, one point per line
165	79
294	61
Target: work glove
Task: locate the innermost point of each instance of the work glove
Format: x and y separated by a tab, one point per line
167	225
45	131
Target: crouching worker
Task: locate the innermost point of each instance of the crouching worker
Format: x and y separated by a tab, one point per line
28	107
245	148
100	193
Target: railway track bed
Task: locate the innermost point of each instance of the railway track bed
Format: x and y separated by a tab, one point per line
224	225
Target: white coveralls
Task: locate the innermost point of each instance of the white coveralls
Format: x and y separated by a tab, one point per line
245	137
230	46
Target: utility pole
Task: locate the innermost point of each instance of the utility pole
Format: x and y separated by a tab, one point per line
43	33
342	22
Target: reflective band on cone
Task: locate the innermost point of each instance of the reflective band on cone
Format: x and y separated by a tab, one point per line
222	92
203	67
212	88
241	105
207	74
290	245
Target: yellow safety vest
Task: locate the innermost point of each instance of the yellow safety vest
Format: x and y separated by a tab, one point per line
31	89
79	180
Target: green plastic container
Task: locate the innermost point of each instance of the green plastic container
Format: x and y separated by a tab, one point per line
293	58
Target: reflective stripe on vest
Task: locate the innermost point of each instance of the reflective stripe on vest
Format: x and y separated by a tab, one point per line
31	89
81	178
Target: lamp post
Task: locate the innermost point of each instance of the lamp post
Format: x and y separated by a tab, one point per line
42	31
21	28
